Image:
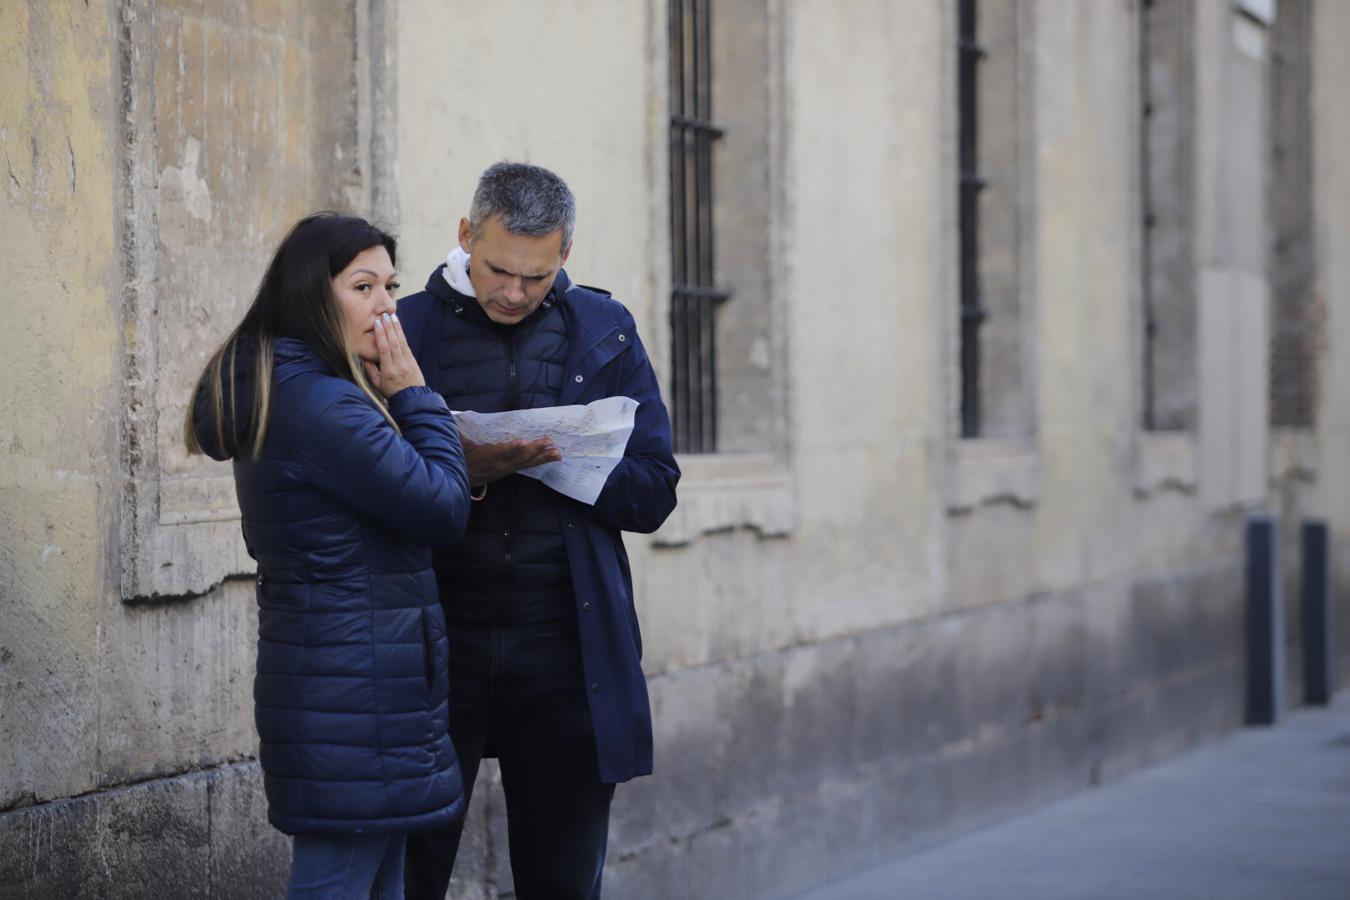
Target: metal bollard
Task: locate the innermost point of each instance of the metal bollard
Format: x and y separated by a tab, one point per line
1265	622
1319	674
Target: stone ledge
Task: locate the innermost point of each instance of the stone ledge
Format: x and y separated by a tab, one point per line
988	472
725	491
1293	455
1165	461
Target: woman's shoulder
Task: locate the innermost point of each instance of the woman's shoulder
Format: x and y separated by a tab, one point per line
316	403
315	394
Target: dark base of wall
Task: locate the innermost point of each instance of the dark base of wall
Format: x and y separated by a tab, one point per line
775	772
796	766
199	835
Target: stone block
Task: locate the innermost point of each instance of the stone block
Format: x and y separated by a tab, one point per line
248	857
1180	621
815	731
198	835
176	684
1057	651
154	840
1340	601
474	872
680	797
47	851
718	863
786	845
991	650
49	642
990	556
660	869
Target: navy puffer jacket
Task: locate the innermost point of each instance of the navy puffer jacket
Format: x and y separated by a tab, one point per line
605	358
351	693
511	565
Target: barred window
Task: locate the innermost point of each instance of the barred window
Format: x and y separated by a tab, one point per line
969	53
1167	264
1295	316
695	296
991	134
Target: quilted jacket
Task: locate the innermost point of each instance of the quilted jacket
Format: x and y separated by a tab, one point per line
340	511
605	358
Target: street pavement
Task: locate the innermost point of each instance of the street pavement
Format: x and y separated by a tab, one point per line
1260	814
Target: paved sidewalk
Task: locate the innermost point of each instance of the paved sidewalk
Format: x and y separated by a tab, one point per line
1261	814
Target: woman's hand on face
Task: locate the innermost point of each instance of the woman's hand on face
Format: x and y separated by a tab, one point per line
397	368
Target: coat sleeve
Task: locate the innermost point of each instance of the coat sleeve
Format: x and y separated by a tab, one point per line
640	492
414	485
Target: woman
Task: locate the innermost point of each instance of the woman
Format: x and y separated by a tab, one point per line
348	468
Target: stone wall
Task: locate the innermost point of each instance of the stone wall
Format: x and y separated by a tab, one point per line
155	152
861	631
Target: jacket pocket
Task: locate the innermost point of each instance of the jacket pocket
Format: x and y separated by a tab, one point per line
428	654
435	653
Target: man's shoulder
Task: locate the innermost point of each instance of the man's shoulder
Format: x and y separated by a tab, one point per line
417	314
417	305
595	308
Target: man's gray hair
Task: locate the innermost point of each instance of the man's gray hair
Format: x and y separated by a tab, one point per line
530	199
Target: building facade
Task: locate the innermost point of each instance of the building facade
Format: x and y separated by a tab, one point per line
985	326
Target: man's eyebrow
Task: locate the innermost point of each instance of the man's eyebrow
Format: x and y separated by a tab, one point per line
504	271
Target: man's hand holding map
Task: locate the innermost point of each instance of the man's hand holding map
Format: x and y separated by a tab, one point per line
591	439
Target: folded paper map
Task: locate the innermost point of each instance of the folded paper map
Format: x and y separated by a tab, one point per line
591	439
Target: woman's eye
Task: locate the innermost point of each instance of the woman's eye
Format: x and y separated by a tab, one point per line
363	287
392	286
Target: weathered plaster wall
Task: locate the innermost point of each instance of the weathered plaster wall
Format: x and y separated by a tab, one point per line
58	409
952	629
561	85
156	151
1331	190
948	629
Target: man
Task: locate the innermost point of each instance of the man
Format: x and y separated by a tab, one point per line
544	643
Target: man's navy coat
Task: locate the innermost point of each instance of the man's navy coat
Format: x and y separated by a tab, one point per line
351	693
605	358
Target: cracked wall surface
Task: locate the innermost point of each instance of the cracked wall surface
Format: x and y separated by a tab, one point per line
154	152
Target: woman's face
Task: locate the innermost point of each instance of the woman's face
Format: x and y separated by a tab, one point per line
364	290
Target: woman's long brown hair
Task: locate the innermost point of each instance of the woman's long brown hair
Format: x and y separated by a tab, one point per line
295	299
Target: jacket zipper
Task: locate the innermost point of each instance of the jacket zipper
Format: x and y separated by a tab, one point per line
512	402
512	389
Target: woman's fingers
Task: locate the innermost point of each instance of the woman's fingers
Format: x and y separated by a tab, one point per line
398	344
398	366
382	339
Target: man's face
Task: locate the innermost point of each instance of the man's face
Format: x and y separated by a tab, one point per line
511	273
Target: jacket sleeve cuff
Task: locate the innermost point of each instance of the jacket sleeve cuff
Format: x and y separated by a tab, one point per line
419	398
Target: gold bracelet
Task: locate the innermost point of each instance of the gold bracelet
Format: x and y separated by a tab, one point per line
482	492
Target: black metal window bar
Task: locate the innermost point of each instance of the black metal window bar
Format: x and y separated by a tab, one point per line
971	183
1295	323
694	296
1148	217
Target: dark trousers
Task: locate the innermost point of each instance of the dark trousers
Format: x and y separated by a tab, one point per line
520	690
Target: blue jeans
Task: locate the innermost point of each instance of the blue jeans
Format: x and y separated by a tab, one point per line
346	867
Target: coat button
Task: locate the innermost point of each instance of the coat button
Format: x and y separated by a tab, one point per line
586	604
578	379
571	525
622	338
595	687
